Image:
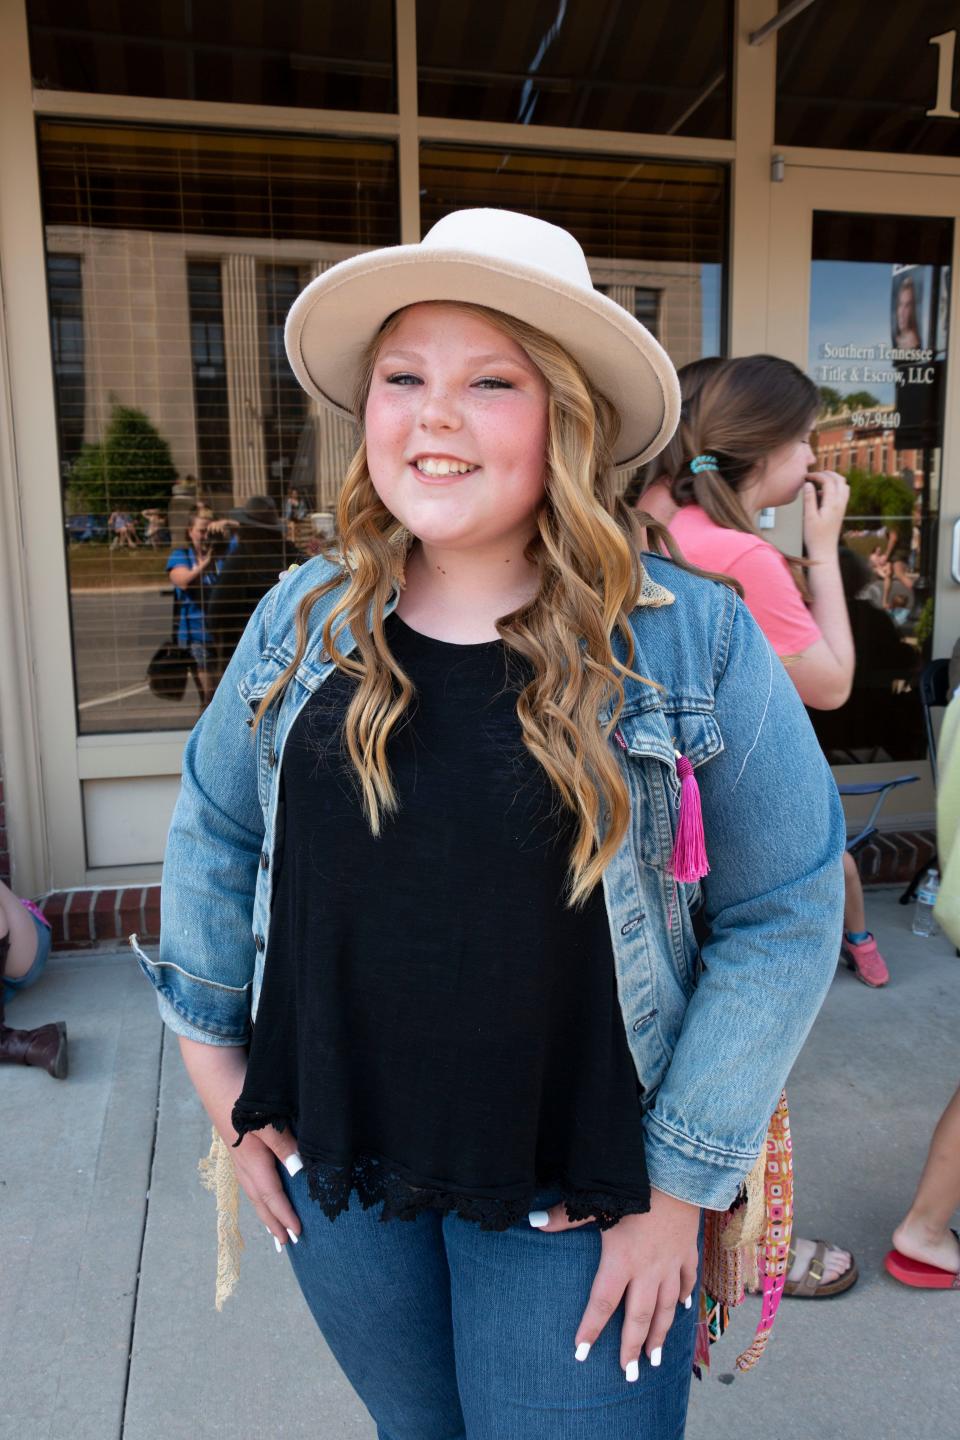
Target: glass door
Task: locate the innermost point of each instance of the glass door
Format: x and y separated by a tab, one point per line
862	280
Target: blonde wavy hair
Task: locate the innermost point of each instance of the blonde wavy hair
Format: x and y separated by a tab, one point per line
587	552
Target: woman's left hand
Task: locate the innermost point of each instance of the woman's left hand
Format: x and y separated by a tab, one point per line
650	1263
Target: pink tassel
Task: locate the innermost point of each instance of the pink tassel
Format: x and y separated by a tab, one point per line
689	860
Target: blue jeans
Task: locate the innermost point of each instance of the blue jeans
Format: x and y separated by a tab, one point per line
23	982
450	1332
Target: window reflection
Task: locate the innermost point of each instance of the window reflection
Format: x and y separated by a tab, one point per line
194	467
879	321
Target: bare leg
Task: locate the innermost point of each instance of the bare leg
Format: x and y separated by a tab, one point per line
854	912
924	1233
17	922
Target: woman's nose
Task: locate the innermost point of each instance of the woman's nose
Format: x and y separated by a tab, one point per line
438	410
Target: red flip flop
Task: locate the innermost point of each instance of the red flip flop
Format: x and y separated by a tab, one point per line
918	1274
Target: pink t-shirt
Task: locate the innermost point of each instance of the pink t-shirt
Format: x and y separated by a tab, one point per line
768	587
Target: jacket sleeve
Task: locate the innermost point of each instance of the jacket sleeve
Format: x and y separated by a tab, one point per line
773	908
204	975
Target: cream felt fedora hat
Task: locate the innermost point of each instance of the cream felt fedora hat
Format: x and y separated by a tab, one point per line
507	261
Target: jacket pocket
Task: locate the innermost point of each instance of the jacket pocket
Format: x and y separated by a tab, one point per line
252	686
652	739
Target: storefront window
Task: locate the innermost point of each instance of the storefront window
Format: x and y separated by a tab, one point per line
173	257
261	52
661	68
879	325
654	231
853	77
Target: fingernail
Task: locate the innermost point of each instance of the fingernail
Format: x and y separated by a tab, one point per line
538	1218
273	1237
295	1238
582	1350
633	1371
293	1164
656	1356
688	1302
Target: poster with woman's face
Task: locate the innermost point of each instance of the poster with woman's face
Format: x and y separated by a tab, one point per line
906	307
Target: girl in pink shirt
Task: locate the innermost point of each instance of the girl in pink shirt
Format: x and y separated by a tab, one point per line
743	445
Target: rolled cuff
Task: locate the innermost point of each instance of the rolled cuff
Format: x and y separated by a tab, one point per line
201	1010
689	1171
176	1022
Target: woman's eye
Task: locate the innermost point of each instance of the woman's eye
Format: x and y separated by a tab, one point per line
493	382
403	377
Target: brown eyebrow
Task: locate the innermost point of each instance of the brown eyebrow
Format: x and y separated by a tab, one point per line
413	355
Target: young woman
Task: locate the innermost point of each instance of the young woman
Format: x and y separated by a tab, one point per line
193	567
743	445
426	842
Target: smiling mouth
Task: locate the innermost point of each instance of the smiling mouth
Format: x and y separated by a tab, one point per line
434	469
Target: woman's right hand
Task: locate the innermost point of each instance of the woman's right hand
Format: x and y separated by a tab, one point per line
217	1072
255	1161
825	498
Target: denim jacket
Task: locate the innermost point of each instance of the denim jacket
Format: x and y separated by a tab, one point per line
718	982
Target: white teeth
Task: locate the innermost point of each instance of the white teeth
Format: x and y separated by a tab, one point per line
429	466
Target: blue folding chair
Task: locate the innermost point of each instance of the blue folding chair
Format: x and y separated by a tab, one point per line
881	789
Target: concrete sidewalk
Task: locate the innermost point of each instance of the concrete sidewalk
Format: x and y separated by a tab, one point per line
107	1325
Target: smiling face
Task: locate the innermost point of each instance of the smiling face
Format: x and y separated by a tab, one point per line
456	430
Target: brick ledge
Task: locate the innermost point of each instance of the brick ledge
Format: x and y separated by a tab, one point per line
95	916
92	916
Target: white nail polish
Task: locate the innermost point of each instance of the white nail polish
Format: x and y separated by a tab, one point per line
295	1239
278	1247
633	1371
538	1218
656	1356
688	1302
293	1164
582	1350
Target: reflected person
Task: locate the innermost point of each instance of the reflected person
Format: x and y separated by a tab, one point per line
259	553
193	567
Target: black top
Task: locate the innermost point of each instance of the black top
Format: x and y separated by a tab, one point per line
440	1030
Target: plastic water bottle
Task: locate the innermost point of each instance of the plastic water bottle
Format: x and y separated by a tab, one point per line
923	921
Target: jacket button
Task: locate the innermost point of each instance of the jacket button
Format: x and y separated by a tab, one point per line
264	860
258	941
273	758
324	657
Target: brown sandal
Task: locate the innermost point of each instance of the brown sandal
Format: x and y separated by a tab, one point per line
810	1286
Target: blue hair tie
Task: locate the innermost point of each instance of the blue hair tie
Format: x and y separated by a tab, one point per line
703	462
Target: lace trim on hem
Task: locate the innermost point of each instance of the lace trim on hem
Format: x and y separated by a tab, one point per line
377	1180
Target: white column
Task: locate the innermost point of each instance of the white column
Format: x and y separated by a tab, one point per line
241	346
336	442
625	295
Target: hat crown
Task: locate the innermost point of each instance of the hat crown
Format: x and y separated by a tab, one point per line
511	237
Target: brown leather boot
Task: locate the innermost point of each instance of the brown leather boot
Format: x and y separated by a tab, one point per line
45	1046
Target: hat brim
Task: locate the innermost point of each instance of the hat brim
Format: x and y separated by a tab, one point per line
334	319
